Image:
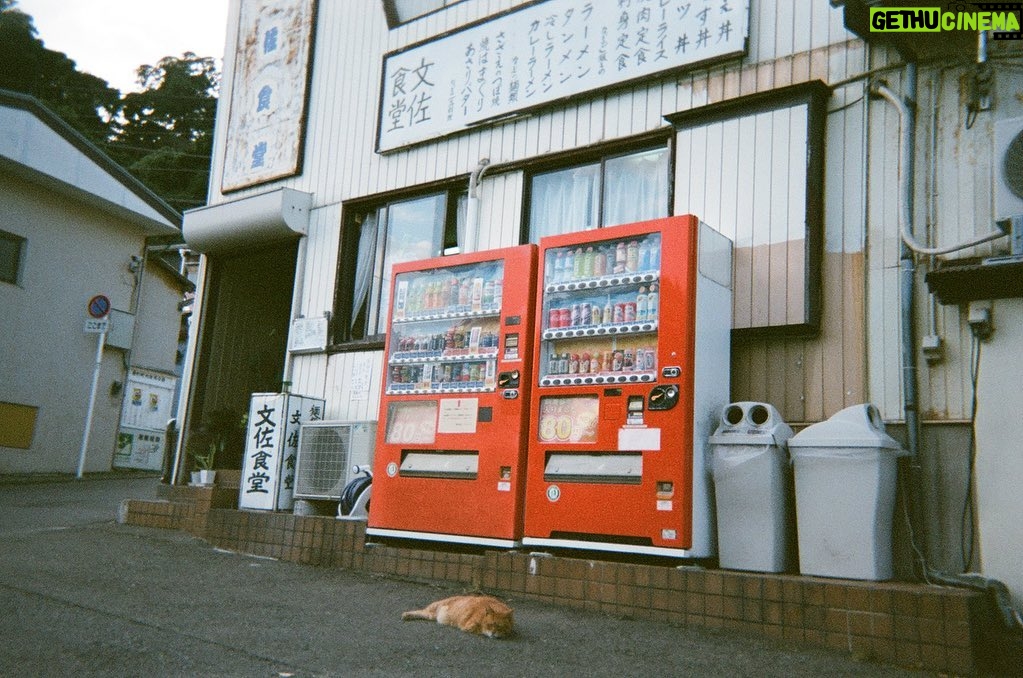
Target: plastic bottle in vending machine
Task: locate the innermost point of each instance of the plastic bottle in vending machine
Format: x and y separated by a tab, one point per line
610	256
577	260
569	266
655	252
453	290
620	258
584	363
644	255
599	263
641	305
464	294
651	302
552	363
632	257
498	292
588	263
559	268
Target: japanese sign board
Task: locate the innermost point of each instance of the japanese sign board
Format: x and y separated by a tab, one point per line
271	449
268	93
543	53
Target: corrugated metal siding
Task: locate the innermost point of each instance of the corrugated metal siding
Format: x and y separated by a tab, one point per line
856	355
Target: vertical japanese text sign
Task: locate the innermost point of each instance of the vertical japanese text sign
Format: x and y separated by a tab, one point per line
271	449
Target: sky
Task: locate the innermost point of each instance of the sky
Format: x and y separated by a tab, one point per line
112	38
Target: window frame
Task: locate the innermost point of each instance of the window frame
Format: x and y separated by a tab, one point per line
19	247
394	21
814	95
599	155
351	231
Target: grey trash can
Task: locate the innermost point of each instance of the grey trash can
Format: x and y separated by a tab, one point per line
845	473
751	487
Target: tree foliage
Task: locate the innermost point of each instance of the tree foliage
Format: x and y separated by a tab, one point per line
163	134
80	99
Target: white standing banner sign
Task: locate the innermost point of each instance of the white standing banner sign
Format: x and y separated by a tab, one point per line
271	449
545	52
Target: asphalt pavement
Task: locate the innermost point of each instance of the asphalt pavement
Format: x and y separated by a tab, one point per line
81	595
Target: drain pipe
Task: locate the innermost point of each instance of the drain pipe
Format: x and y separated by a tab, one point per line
907	265
472	208
907	279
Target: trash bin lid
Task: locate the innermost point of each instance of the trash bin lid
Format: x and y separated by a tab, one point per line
751	423
859	426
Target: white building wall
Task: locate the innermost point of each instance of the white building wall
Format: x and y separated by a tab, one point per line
73	252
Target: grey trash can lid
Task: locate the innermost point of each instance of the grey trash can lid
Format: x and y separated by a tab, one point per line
859	426
751	423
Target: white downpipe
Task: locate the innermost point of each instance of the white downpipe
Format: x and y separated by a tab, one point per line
472	207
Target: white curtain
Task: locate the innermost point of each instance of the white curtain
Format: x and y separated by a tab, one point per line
564	201
636	187
364	270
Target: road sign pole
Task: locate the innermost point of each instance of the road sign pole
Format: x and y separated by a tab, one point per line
100	343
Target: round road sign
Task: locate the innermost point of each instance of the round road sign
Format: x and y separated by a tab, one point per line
99	306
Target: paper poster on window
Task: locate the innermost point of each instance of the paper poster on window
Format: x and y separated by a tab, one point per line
268	94
458	415
543	53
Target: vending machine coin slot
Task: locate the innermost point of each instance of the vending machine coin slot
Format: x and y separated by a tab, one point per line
663	397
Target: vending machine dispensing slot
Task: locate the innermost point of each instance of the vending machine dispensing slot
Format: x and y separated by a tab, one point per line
632	359
450	453
568	467
451	464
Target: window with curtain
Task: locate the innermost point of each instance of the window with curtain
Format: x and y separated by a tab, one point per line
378	236
614	189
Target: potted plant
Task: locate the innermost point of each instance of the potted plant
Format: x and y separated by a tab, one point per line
204	473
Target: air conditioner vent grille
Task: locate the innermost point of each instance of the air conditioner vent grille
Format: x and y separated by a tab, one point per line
327	453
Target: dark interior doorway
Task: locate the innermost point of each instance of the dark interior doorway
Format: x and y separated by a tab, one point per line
242	347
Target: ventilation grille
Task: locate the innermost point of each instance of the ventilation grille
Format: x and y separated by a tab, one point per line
327	454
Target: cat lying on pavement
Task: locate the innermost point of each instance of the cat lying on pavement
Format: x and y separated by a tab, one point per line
483	615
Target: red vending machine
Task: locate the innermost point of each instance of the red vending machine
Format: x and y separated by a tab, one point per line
450	456
632	365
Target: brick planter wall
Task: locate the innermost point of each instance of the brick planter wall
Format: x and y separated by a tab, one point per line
912	625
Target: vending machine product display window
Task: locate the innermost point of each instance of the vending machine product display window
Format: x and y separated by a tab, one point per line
450	456
632	361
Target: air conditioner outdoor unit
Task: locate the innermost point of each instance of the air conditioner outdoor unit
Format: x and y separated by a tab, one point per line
329	453
1008	161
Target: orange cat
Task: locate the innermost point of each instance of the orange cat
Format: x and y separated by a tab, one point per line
480	614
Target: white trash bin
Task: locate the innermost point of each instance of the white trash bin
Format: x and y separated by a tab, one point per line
751	487
845	478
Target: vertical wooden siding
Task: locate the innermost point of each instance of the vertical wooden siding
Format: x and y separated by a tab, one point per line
855	357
